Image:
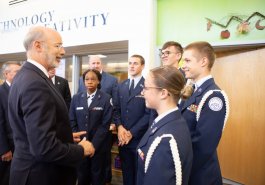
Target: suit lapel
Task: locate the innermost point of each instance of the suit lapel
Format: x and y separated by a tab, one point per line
126	89
56	82
6	87
49	82
95	100
83	100
137	90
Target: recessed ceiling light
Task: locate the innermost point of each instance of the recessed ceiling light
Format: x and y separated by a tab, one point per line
99	55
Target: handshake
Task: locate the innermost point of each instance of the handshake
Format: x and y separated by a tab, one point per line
88	147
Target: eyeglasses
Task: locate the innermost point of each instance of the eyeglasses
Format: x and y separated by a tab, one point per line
166	53
150	87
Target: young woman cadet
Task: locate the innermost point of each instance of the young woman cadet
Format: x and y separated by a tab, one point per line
91	111
165	151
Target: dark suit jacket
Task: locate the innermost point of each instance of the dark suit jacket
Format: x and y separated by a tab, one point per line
6	140
94	119
45	153
205	134
62	85
161	168
134	115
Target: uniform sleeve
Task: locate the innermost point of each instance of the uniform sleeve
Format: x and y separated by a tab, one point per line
208	129
114	95
161	168
142	124
4	145
117	109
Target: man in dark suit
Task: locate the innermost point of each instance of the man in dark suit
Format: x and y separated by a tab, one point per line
61	85
109	85
206	112
134	117
45	153
9	69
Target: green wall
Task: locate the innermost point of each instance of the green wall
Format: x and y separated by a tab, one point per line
185	21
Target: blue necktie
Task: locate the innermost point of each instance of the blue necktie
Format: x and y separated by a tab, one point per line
131	87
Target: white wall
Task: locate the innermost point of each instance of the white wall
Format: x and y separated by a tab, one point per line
82	22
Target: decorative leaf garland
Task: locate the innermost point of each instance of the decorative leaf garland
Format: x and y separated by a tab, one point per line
242	28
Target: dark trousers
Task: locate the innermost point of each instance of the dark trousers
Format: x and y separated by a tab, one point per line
108	168
128	165
92	171
4	172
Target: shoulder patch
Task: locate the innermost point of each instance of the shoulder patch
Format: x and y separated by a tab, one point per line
215	104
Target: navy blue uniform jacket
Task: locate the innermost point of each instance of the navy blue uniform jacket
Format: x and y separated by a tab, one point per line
44	150
6	139
161	170
205	134
134	115
94	119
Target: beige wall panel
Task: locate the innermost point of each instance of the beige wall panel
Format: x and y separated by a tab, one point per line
242	147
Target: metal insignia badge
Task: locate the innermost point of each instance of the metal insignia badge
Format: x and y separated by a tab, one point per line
215	104
193	108
111	102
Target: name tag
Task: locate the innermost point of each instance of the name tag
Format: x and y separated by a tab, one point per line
79	108
97	108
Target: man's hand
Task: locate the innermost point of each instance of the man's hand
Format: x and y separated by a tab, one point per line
122	135
89	149
76	136
7	156
92	150
128	137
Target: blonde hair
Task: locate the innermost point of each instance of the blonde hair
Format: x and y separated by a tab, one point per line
169	78
203	49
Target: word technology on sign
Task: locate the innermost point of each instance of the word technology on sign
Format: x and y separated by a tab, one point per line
48	19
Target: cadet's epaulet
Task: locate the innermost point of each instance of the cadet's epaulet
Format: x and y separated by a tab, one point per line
174	151
203	100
